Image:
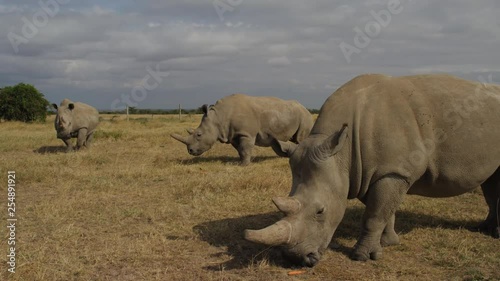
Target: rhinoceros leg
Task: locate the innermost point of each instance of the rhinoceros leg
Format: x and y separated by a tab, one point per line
82	137
491	192
383	198
245	145
88	142
389	236
69	145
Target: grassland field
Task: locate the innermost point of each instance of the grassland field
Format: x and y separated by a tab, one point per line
137	206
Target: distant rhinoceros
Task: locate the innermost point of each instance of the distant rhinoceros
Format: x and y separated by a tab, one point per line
245	121
378	138
75	120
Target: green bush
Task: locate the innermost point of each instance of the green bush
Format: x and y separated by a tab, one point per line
23	102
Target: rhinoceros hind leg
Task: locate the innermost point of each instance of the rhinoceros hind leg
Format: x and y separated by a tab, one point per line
82	137
382	200
88	142
491	192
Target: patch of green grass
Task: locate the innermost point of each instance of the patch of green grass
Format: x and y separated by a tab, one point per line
115	135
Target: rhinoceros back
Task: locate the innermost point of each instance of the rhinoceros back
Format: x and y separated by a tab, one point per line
263	117
85	116
439	132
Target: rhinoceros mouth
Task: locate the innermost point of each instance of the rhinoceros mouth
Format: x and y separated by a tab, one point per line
195	152
308	260
311	259
63	136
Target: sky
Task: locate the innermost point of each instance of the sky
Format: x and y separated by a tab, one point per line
159	54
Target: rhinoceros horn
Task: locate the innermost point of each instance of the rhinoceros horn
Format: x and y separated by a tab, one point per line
190	131
180	138
276	234
287	205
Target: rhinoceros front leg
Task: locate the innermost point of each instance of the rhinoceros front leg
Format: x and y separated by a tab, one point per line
82	137
383	199
389	236
69	145
491	192
245	146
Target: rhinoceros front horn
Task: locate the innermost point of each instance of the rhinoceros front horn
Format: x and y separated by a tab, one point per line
180	138
274	235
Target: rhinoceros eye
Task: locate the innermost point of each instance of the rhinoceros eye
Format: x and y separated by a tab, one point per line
198	134
320	211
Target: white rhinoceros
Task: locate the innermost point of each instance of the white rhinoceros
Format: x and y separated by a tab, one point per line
245	121
378	138
75	120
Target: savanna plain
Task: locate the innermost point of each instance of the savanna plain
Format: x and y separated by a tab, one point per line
137	206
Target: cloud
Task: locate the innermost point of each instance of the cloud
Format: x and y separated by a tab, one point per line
279	61
95	51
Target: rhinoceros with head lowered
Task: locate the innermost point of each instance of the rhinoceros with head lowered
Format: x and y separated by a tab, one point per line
376	139
245	121
75	120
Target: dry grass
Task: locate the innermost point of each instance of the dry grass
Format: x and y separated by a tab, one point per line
137	207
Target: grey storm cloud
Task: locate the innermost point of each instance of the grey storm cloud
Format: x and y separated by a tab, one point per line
98	52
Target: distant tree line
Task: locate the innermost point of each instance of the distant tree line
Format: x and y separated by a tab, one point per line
134	110
23	102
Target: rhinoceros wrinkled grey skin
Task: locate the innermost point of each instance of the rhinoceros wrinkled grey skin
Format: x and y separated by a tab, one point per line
376	139
245	121
75	120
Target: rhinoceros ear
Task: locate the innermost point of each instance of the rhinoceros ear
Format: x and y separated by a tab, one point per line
205	109
54	106
332	145
71	106
283	148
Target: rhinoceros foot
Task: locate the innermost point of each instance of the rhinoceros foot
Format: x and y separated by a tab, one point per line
363	253
389	239
489	228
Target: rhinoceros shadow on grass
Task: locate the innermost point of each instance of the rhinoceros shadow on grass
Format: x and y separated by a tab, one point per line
229	233
50	149
224	159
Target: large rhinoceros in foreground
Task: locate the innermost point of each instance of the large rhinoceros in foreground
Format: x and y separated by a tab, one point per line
245	121
75	120
378	138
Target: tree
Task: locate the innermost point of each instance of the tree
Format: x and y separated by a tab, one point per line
22	102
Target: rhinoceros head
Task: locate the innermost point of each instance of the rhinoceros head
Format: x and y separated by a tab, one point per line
202	138
64	119
316	203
